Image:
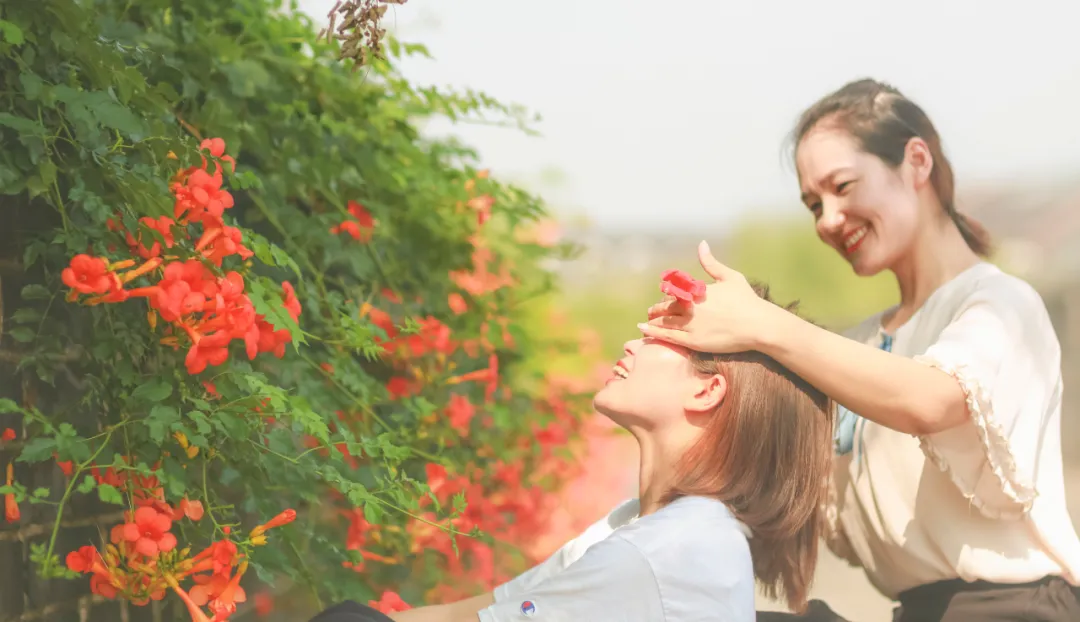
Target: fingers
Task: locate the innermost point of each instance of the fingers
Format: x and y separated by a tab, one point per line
675	322
712	267
677	337
670	306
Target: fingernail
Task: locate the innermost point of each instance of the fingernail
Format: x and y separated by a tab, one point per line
643	327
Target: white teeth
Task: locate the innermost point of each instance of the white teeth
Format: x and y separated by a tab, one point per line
854	238
620	372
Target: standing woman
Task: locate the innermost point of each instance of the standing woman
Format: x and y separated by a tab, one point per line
949	486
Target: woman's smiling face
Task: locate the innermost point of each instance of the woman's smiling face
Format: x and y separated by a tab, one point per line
866	210
649	384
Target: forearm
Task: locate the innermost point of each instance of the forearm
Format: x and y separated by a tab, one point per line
891	390
460	611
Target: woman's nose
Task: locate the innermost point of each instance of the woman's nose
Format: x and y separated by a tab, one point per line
832	217
631	346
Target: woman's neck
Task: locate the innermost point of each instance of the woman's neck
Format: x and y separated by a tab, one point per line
656	470
938	255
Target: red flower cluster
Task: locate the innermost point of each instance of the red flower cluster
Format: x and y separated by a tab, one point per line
360	226
682	286
141	561
433	338
210	309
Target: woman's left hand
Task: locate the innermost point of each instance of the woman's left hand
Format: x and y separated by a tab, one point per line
728	320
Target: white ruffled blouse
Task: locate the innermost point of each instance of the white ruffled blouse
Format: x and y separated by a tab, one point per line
985	500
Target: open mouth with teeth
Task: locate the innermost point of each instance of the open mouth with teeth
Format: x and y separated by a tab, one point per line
854	240
619	372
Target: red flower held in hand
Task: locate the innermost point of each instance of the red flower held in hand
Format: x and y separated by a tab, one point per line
389	603
682	286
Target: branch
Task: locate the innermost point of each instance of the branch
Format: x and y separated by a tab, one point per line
28	532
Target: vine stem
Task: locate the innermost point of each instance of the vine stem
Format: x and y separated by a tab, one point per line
367	410
206	496
273	220
67	494
452	530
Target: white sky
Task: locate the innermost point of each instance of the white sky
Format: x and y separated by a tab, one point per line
675	113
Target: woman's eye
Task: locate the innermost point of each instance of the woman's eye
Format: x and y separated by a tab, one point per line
815	208
841	187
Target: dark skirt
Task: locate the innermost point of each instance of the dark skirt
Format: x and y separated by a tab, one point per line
1050	599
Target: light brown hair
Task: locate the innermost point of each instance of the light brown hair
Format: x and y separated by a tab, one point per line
882	121
767	454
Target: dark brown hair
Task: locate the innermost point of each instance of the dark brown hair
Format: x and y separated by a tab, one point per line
882	121
767	454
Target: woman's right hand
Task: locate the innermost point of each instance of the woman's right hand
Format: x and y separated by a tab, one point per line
731	318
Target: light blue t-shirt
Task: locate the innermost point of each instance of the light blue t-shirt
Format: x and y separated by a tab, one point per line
689	561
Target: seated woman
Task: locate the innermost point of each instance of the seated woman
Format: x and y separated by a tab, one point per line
735	459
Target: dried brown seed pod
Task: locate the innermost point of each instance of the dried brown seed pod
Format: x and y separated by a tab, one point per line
355	23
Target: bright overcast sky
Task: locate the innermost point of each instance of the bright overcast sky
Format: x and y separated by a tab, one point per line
675	113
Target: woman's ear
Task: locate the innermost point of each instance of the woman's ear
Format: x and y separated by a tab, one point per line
919	158
708	393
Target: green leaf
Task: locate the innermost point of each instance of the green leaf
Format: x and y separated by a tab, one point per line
36	292
47	172
12	33
152	391
160	420
373	513
202	424
22	124
9	406
118	117
26	315
37	449
86	485
271	306
21	334
31	85
246	77
109	494
233	425
41	493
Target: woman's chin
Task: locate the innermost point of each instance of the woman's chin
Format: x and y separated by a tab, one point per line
608	405
864	264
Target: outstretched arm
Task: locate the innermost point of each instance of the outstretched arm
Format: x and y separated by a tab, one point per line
460	611
888	389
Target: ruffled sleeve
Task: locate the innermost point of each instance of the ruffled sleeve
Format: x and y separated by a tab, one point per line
1002	350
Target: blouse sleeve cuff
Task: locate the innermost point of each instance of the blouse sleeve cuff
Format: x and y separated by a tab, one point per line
989	477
